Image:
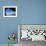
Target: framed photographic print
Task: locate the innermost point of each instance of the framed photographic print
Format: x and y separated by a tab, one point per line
9	11
33	32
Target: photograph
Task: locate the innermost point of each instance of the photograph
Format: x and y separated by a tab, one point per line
9	11
29	33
